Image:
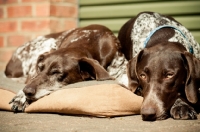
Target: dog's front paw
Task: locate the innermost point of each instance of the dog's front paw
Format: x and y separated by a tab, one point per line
182	111
19	102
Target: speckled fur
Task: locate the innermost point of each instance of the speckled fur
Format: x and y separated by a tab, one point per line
29	52
117	69
134	34
145	23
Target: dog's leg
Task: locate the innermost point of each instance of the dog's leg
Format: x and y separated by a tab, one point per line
182	111
19	102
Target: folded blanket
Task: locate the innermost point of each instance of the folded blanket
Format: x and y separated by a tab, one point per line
104	100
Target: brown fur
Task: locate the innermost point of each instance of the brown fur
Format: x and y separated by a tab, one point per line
83	54
164	73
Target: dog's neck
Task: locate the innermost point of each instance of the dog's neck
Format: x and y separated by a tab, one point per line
143	32
117	69
168	26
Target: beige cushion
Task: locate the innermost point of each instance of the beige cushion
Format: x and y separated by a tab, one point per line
105	100
5	98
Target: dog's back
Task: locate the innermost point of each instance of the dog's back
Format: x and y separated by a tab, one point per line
98	40
150	28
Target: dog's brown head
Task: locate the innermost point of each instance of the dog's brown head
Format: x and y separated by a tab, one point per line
63	67
161	74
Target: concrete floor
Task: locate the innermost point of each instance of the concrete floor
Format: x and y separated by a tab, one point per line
23	122
49	122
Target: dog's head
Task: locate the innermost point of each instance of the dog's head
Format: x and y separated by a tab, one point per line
161	74
60	68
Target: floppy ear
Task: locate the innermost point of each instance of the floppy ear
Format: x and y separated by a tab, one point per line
193	77
40	59
90	68
132	73
14	68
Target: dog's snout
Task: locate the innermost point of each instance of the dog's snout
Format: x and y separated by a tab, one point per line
29	91
148	114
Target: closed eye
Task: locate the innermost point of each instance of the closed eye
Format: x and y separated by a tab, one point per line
63	76
54	71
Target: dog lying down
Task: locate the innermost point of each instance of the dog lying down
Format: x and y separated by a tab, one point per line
163	67
50	62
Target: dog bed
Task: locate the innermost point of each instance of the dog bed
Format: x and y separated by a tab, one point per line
93	98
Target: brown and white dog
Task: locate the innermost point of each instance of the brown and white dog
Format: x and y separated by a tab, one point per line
50	62
163	67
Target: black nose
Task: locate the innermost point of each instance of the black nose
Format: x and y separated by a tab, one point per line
148	114
29	91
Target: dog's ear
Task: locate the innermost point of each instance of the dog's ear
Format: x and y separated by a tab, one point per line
132	73
39	60
90	68
38	68
193	77
39	64
14	68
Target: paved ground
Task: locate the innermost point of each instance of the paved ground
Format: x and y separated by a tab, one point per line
23	122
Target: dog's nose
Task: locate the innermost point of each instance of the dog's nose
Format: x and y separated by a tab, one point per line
29	91
148	114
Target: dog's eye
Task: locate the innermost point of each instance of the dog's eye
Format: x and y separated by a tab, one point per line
143	76
138	91
61	77
54	71
169	75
